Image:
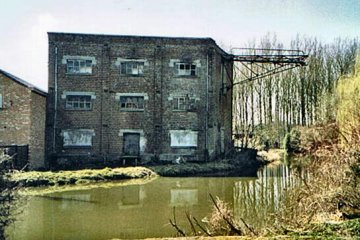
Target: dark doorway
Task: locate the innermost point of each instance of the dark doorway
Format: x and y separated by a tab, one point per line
131	144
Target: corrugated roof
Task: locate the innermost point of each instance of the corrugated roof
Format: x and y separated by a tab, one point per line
24	83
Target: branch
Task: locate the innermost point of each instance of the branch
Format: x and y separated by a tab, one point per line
232	227
181	232
201	227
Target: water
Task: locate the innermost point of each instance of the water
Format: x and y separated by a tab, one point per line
144	210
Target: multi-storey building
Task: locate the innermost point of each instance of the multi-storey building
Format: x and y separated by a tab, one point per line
152	98
22	118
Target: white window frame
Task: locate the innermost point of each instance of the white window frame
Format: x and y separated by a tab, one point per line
129	102
120	96
1	101
183	138
181	70
179	103
84	137
131	67
79	65
67	94
80	102
185	69
189	102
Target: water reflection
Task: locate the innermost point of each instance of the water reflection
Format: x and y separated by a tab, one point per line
255	199
140	211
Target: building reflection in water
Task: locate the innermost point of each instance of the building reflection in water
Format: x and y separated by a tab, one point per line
144	210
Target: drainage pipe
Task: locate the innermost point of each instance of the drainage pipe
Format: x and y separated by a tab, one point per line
56	97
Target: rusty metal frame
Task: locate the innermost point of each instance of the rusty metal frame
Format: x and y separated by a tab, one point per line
275	60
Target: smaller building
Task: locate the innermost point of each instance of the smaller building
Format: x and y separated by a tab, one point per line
22	116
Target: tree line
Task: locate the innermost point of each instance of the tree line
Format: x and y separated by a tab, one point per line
265	109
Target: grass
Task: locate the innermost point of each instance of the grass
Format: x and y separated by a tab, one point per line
345	229
240	164
43	191
35	178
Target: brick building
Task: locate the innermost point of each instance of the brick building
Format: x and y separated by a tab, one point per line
153	98
22	116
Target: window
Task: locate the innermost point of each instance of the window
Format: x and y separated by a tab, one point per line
131	103
184	103
185	69
79	66
179	103
78	137
132	68
183	138
78	102
1	101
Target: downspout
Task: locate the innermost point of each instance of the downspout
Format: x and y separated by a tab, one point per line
56	98
207	107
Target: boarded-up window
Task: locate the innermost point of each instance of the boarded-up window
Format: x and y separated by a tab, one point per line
78	137
183	138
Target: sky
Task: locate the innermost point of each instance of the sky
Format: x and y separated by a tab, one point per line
231	23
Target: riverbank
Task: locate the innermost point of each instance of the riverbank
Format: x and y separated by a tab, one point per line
242	164
35	178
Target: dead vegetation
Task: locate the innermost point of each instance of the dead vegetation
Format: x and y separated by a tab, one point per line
331	192
35	178
220	223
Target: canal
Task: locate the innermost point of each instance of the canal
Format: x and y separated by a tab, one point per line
143	210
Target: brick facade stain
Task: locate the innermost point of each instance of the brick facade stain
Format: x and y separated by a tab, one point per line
101	134
22	116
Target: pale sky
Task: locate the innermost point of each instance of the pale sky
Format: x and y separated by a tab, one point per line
231	23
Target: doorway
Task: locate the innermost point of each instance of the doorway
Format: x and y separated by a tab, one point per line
131	144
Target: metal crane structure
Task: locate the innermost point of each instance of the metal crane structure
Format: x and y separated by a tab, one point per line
260	62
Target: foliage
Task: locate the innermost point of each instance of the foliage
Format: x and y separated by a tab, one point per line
309	139
331	189
348	110
6	195
302	96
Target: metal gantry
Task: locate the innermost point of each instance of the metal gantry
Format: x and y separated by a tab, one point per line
261	62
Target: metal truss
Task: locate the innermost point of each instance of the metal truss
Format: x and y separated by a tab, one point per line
260	62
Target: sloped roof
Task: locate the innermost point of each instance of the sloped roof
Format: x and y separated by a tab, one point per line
24	83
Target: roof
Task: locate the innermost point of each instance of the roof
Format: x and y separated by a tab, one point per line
138	37
24	83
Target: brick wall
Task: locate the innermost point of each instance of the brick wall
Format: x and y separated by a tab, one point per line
22	118
37	131
15	115
158	82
